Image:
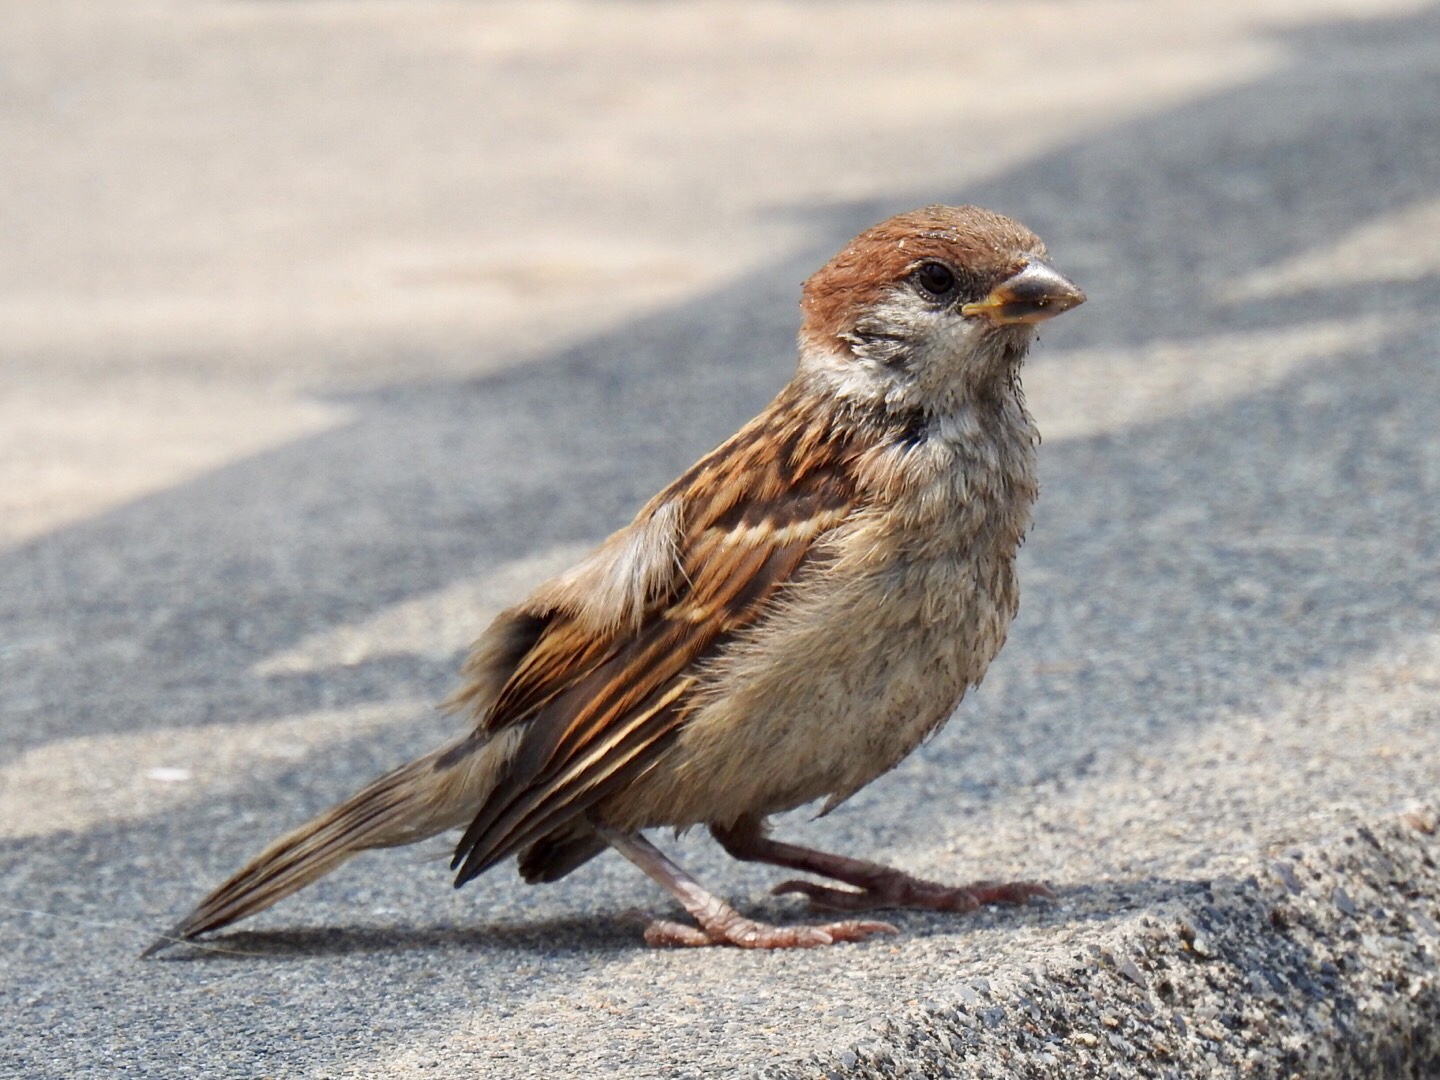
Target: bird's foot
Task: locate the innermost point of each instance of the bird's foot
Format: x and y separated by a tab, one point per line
896	889
732	928
719	923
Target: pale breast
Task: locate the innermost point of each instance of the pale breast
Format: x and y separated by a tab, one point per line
867	654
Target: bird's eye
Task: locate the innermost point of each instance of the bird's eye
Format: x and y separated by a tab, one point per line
935	278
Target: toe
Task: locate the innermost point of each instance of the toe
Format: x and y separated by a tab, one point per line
859	929
827	896
1009	892
662	933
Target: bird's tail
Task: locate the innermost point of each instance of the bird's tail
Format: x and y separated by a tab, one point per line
439	791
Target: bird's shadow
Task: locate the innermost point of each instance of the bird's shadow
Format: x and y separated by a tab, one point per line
604	934
596	934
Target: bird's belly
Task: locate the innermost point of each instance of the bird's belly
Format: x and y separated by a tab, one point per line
841	686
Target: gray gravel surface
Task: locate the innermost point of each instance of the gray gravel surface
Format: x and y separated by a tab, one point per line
330	327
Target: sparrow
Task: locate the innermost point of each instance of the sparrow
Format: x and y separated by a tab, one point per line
782	624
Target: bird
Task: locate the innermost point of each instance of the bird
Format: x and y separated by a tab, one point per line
782	624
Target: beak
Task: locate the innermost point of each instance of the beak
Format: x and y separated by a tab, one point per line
1033	295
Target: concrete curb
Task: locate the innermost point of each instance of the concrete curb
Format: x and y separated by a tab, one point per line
1325	963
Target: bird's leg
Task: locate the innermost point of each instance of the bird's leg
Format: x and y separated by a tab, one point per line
720	924
875	886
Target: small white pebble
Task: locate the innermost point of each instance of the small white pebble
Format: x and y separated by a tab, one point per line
167	774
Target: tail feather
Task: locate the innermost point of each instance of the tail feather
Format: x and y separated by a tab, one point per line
437	792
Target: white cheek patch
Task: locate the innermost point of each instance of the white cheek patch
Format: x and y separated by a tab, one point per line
945	344
940	357
843	376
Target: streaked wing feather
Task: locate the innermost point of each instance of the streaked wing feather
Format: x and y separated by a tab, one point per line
600	711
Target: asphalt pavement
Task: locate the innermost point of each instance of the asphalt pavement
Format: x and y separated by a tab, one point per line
328	328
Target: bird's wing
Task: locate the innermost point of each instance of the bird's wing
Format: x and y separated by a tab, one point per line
613	647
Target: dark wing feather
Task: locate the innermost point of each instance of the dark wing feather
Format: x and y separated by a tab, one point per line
601	709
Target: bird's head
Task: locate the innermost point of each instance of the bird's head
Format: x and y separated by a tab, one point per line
929	309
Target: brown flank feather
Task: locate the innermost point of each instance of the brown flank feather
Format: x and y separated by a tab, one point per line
603	715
